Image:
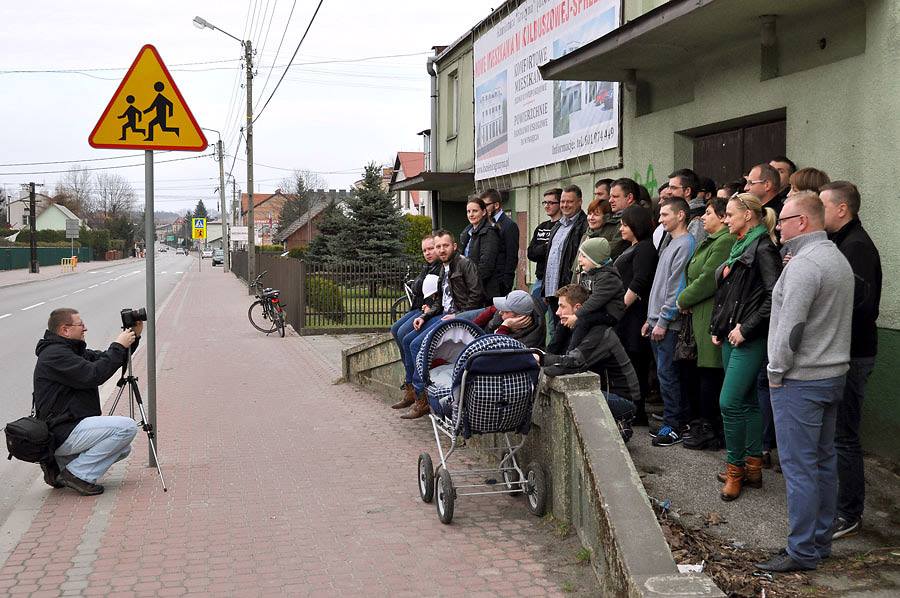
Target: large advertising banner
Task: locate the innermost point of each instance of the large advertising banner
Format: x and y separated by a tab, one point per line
522	121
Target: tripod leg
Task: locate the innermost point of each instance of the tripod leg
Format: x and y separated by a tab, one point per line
118	396
149	430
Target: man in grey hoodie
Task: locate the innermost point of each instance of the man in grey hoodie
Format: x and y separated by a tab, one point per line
809	355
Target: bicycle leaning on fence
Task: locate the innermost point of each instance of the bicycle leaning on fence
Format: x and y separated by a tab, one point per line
267	312
403	304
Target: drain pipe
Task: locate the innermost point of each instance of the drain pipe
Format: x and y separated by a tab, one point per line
435	195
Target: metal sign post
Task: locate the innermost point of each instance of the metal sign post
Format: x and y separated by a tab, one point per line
72	233
150	262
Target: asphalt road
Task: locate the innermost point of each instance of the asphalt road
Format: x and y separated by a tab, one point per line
98	293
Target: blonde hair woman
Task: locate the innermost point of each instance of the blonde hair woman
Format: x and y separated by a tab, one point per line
739	324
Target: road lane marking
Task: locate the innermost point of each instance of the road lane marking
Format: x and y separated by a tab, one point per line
179	272
33	306
78	291
5	316
163	272
60	297
93	286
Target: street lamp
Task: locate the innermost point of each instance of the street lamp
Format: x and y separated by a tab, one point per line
202	23
226	266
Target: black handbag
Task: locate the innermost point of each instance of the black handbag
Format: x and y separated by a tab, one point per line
686	345
29	439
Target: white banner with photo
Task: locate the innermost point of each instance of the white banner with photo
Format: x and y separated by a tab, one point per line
522	121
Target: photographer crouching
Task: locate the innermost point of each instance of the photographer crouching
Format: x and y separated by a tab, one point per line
66	396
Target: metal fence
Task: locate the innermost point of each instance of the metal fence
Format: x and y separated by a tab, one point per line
339	299
12	258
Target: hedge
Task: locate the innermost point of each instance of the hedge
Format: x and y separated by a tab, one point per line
324	296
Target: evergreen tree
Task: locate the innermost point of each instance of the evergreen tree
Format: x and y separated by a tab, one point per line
325	247
375	227
186	228
200	211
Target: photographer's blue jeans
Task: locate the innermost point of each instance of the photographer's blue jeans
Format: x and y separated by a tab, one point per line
95	444
674	409
805	412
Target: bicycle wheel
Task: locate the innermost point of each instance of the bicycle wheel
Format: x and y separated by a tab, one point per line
260	318
398	308
279	320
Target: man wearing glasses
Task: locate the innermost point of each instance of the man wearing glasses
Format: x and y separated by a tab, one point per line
66	396
537	249
765	183
809	355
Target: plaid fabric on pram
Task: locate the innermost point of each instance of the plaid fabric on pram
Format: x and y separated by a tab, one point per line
493	402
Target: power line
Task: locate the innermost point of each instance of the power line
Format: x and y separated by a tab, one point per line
268	27
70	161
297	49
277	51
116	167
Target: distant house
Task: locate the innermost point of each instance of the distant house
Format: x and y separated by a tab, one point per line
406	166
266	213
303	230
50	216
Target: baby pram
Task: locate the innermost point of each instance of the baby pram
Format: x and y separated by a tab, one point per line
478	383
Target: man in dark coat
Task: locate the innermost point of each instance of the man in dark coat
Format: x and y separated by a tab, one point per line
841	200
537	249
562	246
66	396
508	257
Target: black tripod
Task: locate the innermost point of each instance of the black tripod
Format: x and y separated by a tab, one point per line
134	396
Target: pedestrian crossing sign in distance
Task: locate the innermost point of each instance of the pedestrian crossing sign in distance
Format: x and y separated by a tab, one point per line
198	228
148	111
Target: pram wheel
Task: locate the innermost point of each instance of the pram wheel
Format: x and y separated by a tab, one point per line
511	477
426	477
536	489
445	497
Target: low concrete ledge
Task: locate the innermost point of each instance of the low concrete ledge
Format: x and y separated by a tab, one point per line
594	485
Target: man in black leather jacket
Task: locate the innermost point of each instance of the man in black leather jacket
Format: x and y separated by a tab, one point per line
66	396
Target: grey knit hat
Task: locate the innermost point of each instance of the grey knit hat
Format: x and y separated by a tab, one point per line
595	249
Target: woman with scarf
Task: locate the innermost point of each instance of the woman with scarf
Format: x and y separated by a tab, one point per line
739	324
480	243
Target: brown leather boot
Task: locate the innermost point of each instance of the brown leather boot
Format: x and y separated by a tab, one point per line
409	397
722	476
419	409
732	488
754	466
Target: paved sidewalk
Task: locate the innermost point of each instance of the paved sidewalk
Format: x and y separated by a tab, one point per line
23	276
280	483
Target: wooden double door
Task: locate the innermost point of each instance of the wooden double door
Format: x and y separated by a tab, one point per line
728	155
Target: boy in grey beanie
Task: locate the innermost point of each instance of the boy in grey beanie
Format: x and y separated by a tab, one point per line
606	303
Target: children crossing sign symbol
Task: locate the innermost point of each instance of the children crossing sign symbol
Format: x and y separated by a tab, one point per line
147	111
198	228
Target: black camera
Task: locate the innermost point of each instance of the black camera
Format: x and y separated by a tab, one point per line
130	317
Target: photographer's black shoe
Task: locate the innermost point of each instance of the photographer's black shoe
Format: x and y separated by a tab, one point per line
78	485
51	472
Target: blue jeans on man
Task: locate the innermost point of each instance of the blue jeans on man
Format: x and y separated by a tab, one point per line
399	330
805	412
95	444
851	478
674	406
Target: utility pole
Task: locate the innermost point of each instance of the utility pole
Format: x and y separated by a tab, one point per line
251	225
32	221
226	266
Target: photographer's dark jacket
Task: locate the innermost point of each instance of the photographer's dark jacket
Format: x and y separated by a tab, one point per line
417	299
465	287
66	380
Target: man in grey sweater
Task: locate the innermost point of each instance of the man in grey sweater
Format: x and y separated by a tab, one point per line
664	318
809	355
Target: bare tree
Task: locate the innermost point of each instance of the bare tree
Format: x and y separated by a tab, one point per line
115	196
303	180
300	191
75	190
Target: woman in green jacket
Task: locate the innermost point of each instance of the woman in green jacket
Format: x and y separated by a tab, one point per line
697	298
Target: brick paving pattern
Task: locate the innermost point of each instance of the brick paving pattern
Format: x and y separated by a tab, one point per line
281	482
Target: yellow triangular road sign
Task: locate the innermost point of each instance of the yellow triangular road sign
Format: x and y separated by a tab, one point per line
147	111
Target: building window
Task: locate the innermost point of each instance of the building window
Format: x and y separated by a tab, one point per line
24	219
453	113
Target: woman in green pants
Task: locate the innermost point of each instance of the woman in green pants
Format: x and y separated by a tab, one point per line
697	298
739	324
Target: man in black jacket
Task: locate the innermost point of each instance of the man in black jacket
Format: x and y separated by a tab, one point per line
841	200
537	249
598	351
508	258
460	294
66	396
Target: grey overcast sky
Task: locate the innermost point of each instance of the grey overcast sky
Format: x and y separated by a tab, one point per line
336	110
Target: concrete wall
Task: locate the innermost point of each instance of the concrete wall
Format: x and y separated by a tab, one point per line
593	483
